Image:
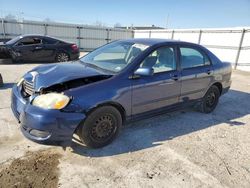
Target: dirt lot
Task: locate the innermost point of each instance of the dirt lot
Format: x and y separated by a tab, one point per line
180	149
35	169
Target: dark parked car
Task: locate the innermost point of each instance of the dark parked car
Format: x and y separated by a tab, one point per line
118	82
1	80
38	48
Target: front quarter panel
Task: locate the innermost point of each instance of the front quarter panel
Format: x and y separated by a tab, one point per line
114	90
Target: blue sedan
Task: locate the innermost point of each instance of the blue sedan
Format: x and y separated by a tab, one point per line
118	82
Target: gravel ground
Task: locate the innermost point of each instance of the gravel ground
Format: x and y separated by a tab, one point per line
179	149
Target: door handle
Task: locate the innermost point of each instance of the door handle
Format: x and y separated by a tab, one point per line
134	76
175	77
38	47
209	71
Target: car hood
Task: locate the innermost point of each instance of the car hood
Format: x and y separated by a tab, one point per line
47	75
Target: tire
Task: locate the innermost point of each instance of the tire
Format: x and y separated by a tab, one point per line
62	57
210	100
101	127
14	59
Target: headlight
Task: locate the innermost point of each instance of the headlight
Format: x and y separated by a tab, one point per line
51	101
20	82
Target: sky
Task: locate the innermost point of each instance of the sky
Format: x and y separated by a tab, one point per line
164	13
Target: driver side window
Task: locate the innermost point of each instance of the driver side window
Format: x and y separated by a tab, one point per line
29	41
161	60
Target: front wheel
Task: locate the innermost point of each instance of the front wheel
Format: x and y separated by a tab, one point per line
101	127
210	100
15	59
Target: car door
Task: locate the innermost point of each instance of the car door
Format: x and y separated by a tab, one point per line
160	90
37	49
49	48
28	48
21	49
196	72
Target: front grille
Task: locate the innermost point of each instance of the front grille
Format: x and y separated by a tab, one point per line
28	88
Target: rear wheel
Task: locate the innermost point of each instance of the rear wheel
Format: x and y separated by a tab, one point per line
62	57
210	100
101	127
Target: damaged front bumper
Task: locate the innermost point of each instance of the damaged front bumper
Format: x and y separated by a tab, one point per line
44	125
4	52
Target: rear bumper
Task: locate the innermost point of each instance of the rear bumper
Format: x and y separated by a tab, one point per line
74	56
226	87
58	126
225	90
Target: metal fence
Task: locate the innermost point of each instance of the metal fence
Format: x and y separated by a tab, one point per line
229	44
87	37
232	45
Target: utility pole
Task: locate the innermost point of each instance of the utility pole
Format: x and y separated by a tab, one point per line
2	23
20	17
167	24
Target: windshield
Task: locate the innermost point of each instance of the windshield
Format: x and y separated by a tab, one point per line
114	56
14	40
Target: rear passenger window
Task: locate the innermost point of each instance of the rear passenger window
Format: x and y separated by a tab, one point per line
49	41
191	57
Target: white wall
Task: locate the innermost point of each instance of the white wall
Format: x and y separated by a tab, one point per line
223	42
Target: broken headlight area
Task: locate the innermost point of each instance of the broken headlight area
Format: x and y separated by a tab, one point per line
4	52
73	84
52	97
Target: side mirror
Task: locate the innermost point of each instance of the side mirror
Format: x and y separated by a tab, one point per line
144	71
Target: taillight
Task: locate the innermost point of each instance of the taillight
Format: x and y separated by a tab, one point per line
74	47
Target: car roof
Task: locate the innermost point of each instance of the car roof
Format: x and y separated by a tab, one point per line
39	35
33	35
154	41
